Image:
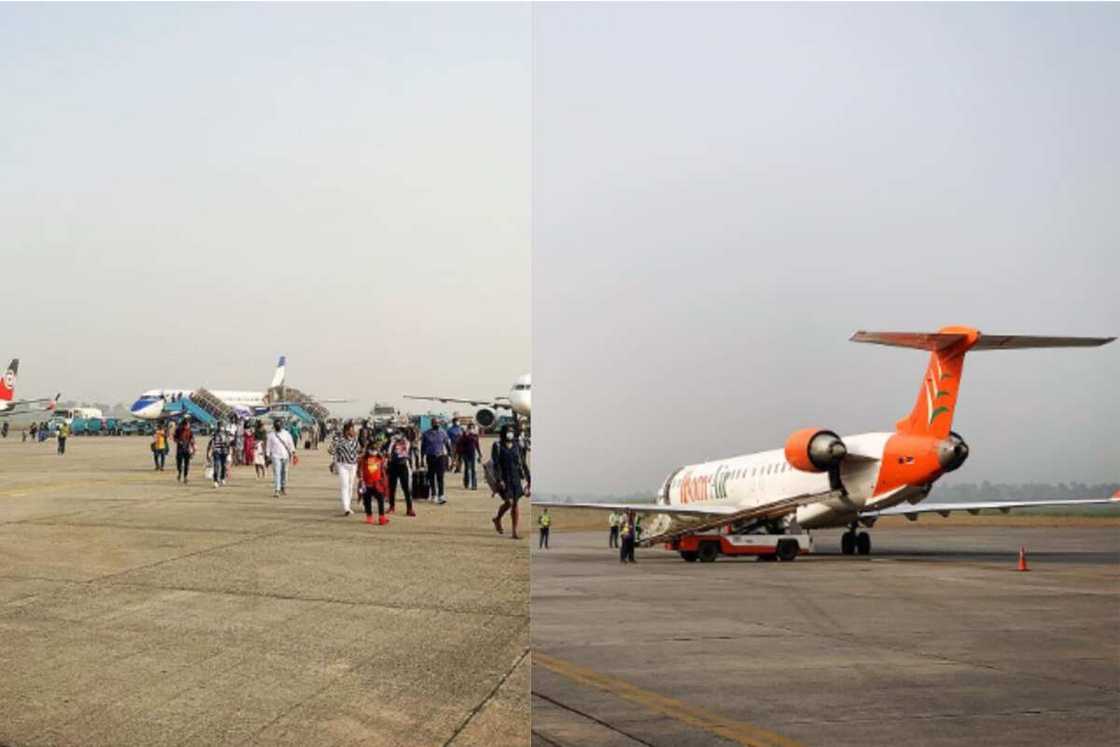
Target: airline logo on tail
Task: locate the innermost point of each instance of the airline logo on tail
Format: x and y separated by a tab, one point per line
278	377
8	386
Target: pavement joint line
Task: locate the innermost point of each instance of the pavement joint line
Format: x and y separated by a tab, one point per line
740	732
548	742
589	717
313	600
489	696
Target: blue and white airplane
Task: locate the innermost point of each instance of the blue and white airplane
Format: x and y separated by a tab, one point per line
151	404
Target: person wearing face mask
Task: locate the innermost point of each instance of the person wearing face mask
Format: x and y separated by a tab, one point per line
469	452
435	446
505	457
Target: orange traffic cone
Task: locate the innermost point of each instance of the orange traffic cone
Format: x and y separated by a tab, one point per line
1023	559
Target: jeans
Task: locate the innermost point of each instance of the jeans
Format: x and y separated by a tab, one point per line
613	542
437	465
470	476
544	538
279	474
346	474
220	467
182	462
61	445
160	456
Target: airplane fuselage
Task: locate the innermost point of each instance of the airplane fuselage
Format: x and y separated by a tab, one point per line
764	477
150	405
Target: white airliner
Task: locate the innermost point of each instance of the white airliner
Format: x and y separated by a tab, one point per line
820	479
519	402
151	404
10	406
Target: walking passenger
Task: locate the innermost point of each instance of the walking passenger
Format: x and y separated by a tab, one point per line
248	445
344	462
436	446
506	458
258	458
184	449
159	445
374	483
454	433
217	454
279	448
469	453
400	453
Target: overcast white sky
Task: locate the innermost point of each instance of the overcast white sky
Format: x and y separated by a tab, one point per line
724	193
188	191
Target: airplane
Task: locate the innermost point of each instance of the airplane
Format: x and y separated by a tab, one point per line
820	479
152	404
10	406
518	402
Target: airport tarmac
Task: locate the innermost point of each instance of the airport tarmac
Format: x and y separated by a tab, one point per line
935	639
135	610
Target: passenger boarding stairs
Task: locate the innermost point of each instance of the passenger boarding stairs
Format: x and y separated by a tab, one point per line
214	407
185	406
298	403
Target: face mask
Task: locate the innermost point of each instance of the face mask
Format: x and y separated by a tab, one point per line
509	436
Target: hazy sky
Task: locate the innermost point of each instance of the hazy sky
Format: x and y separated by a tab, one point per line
187	191
724	193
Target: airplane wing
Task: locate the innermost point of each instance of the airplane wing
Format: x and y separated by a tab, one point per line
498	402
25	406
975	507
709	517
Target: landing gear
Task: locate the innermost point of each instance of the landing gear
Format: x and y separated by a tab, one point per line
863	543
852	542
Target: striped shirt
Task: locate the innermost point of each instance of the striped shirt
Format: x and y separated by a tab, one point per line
344	450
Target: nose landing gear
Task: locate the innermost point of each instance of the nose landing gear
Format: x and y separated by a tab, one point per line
853	542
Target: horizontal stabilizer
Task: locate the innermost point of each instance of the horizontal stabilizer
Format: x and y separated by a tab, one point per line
937	341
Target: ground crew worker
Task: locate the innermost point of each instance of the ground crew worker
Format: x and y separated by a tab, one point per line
613	520
629	535
543	523
63	434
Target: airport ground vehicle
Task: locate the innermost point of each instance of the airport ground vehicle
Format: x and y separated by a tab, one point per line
707	546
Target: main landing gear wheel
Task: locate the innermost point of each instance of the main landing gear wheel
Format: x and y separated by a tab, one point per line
848	543
708	552
689	555
863	543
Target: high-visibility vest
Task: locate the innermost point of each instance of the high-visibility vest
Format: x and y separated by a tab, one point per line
545	520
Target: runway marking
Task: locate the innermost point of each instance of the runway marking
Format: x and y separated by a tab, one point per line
740	732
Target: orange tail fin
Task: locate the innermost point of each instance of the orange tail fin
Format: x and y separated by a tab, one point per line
937	399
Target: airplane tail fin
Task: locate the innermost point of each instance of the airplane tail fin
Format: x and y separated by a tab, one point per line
8	383
937	397
278	377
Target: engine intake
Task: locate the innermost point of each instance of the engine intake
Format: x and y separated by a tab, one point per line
815	450
952	452
485	417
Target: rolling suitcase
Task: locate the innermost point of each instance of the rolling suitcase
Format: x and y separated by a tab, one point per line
419	485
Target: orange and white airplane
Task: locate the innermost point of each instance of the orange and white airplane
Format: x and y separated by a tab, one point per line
820	479
11	406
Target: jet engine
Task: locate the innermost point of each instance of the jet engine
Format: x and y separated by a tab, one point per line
815	450
485	417
952	452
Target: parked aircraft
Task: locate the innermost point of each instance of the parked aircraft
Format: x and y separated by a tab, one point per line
11	406
820	479
518	402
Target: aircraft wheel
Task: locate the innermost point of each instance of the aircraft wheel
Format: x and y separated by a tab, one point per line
863	543
708	552
690	555
848	543
788	550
